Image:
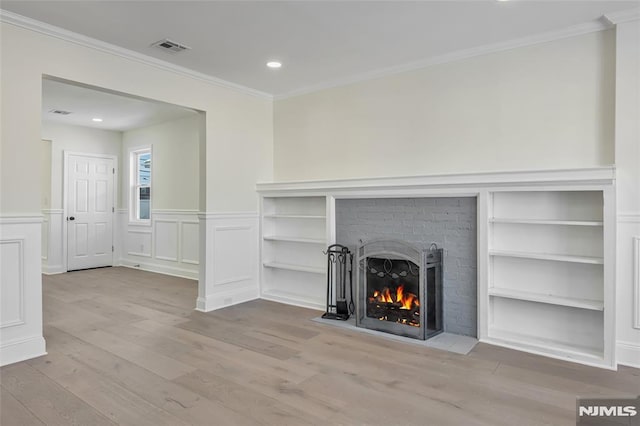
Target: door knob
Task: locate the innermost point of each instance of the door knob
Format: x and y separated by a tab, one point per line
71	218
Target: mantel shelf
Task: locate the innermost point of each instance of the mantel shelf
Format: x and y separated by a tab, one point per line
293	216
290	267
294	239
546	222
548	256
594	305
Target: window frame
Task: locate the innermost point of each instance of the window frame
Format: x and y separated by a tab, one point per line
135	185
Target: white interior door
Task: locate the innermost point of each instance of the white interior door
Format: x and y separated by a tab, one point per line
89	211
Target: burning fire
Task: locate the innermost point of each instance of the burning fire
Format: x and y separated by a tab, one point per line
405	300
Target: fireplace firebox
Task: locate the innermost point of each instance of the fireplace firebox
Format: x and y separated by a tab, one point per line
399	289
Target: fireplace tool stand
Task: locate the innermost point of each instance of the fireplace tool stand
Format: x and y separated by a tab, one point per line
339	264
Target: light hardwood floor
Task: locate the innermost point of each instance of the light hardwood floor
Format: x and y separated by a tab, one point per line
126	347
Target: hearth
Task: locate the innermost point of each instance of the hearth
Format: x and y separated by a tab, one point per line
399	289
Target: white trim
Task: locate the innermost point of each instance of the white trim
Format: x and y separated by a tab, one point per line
101	46
160	269
174	212
576	30
229	298
596	176
134	152
628	217
622	16
17	220
21	350
227	215
636	282
21	282
628	353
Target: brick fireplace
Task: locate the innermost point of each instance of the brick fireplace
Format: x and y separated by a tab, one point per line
449	222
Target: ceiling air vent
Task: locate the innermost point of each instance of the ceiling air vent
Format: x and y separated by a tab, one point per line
59	112
170	46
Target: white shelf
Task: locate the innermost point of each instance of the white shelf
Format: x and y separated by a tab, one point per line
294	239
548	256
290	267
545	346
294	216
546	222
594	305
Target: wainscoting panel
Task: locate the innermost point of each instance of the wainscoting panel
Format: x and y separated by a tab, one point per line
231	268
139	242
166	239
189	234
169	245
12	289
20	289
52	243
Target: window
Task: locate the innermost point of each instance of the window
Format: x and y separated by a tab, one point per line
141	184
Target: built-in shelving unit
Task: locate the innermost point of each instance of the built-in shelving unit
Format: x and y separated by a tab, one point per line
546	287
294	236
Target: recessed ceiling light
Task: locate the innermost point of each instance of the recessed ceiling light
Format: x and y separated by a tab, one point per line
97	120
274	64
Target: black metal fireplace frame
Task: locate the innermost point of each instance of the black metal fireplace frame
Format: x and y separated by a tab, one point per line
400	250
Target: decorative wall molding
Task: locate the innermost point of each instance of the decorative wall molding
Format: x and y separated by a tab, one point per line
189	232
52	244
151	266
166	241
13	282
576	30
228	215
622	16
169	244
18	220
636	282
583	176
229	273
92	43
628	217
21	289
628	353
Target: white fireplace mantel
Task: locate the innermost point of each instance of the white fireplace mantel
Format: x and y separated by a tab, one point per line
582	176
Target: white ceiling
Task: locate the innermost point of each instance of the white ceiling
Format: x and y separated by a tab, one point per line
118	112
317	41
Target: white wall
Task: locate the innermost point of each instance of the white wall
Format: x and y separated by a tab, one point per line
169	243
538	107
627	153
175	170
238	126
76	139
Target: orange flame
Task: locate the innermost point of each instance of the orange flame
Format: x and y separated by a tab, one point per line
405	300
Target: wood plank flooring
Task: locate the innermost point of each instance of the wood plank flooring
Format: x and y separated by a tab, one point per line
126	347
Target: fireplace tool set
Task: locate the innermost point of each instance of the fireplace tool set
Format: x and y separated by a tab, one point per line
339	266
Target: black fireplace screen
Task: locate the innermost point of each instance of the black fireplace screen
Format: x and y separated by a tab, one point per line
399	289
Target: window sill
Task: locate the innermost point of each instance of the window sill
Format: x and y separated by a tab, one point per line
145	223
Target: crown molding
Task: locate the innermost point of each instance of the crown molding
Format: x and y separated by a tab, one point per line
92	43
623	16
575	30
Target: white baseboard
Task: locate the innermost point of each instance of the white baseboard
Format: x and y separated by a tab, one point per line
21	350
628	353
161	269
53	269
229	298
